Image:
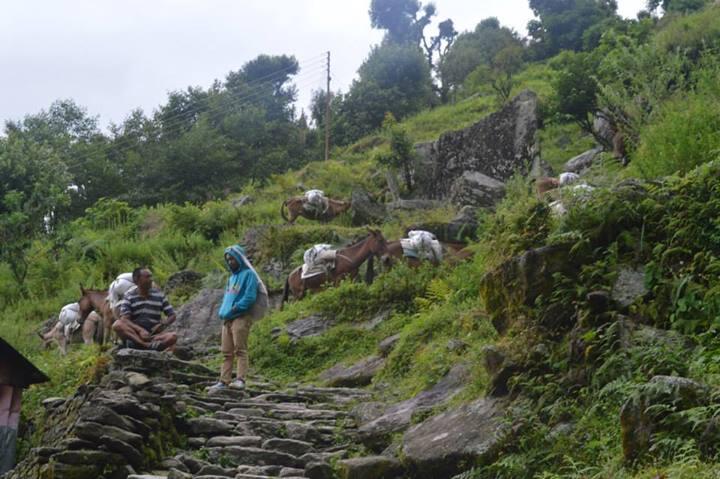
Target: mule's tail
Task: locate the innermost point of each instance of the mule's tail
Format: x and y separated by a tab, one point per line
370	271
282	211
286	292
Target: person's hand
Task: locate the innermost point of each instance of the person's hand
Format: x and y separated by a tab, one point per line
144	335
157	328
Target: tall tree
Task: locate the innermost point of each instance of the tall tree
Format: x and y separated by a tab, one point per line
394	78
405	22
33	186
476	48
562	24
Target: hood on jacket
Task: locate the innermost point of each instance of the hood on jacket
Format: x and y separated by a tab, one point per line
237	252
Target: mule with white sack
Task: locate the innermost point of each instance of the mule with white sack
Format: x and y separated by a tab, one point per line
313	205
324	265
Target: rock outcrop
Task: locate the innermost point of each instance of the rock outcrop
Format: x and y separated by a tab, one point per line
444	445
470	166
376	433
197	321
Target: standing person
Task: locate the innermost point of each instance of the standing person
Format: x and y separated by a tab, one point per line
245	299
141	309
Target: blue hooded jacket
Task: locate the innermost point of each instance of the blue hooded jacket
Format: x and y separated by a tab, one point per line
241	289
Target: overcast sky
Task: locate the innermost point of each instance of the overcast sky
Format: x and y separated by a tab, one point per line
112	56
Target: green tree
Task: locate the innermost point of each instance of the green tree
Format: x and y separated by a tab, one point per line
394	78
402	153
499	72
405	22
562	24
74	137
33	186
481	47
576	87
677	6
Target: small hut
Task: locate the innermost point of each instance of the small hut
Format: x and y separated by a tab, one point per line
16	374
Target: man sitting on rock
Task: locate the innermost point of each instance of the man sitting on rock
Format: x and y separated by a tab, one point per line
141	325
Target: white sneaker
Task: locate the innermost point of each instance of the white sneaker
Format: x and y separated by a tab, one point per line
238	384
216	387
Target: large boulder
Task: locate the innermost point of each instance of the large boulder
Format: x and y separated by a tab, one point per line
629	286
197	321
358	374
647	411
365	210
313	325
371	467
444	445
520	280
377	433
583	161
461	165
475	188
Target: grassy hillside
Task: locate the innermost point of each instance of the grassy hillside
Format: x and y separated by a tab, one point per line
668	227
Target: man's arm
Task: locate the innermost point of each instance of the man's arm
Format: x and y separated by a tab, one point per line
169	316
248	293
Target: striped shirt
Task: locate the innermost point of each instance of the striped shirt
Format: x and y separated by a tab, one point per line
145	312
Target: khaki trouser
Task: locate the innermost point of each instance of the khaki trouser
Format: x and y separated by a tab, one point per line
234	344
234	339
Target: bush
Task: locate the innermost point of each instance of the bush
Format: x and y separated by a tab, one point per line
691	34
686	133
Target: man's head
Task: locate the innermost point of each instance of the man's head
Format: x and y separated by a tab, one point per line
231	262
142	277
235	258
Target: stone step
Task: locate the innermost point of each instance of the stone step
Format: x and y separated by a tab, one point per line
252	456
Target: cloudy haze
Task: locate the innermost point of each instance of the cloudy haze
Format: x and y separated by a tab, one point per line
112	56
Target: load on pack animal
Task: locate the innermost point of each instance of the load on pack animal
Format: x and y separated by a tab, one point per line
347	263
312	205
69	321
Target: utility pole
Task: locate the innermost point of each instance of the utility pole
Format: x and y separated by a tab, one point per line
327	111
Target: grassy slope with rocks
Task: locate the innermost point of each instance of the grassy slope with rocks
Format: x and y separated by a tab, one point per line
669	231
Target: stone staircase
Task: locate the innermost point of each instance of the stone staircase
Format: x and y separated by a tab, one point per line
151	418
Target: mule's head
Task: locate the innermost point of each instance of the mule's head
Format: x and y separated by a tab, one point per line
377	242
91	300
86	304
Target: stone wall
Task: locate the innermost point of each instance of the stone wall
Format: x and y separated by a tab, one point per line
470	166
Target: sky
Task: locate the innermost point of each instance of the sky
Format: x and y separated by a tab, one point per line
113	56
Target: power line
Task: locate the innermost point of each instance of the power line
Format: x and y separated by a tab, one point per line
313	75
258	83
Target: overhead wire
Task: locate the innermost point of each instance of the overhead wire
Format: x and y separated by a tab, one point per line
308	75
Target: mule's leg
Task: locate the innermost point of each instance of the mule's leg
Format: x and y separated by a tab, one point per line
108	320
88	331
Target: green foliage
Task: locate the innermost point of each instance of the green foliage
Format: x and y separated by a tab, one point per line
576	87
677	6
685	133
210	220
32	189
394	78
563	25
692	34
561	141
402	154
483	46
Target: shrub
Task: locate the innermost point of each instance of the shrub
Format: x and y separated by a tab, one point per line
686	133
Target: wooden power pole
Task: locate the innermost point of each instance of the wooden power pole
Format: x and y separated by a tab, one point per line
327	111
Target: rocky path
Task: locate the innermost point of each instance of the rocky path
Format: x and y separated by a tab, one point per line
150	418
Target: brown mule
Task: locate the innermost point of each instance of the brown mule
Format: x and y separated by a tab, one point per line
347	264
296	207
96	300
454	253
